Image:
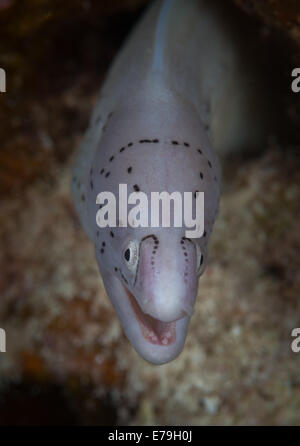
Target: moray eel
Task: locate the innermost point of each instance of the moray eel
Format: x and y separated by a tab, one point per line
174	91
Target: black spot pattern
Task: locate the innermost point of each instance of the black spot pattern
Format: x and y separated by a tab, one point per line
155	247
156	243
155	141
183	247
103	245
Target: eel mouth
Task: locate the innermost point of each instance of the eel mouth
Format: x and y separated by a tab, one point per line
154	331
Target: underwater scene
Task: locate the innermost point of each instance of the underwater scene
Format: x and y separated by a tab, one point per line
149	212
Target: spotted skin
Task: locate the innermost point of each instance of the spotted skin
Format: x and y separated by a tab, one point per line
159	112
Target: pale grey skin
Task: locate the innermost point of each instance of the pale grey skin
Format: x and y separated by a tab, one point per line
173	92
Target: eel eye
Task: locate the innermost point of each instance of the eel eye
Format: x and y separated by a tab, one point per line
131	255
127	254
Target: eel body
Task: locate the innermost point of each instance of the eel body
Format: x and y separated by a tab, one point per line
174	96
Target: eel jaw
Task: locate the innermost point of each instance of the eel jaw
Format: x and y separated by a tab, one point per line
153	330
136	325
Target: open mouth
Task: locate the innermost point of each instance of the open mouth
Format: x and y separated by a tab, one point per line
154	331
